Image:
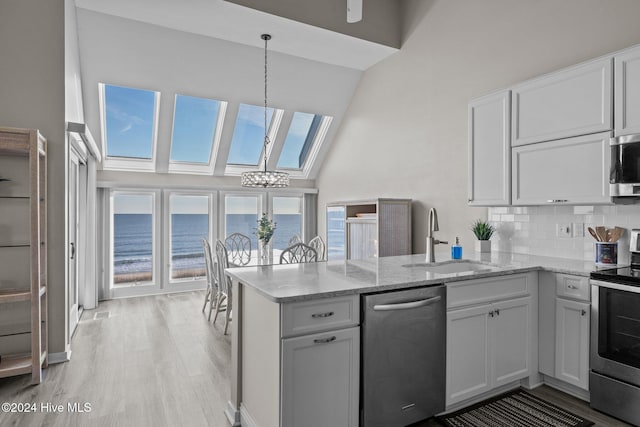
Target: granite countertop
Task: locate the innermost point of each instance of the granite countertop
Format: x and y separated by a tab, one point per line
296	282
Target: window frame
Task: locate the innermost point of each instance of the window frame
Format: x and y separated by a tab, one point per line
133	288
232	169
273	194
314	149
128	163
184	284
192	167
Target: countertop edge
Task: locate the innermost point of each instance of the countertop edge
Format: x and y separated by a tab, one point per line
508	270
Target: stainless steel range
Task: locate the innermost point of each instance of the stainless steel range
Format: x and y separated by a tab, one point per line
615	338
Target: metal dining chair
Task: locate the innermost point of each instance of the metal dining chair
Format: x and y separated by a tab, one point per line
298	253
211	295
295	239
238	248
224	283
318	244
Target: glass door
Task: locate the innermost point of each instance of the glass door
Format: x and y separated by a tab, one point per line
134	227
336	232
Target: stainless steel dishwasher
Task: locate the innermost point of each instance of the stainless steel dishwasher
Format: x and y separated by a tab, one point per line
403	356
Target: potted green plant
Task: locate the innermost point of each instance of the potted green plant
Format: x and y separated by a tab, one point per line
265	230
483	232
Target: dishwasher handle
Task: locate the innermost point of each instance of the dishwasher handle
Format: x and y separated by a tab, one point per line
406	305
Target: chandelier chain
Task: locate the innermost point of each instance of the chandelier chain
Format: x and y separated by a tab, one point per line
266	135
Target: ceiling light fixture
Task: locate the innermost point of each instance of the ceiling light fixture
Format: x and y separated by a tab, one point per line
265	178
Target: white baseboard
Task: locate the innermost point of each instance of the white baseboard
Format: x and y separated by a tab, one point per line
245	418
232	414
54	358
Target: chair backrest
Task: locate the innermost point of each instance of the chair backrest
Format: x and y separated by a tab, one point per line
238	249
295	239
223	262
298	253
318	244
209	264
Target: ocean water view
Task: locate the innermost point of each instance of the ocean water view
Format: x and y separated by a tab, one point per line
133	240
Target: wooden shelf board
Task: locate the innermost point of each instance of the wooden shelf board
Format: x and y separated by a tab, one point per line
15	329
15	245
15	295
15	365
15	197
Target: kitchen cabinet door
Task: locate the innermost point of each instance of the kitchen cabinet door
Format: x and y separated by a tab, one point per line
320	379
570	171
627	92
510	327
468	353
572	342
571	102
490	150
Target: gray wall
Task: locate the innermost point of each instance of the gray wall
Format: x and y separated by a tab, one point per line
32	95
380	22
405	132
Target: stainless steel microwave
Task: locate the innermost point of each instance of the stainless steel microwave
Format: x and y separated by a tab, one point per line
624	179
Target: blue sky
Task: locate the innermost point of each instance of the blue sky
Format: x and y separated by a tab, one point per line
194	124
248	135
290	156
130	117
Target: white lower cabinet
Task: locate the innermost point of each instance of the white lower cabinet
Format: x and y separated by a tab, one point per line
487	346
572	342
563	324
320	379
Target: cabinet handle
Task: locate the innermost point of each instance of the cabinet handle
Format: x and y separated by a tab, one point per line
557	201
491	314
583	312
572	287
497	312
325	340
73	250
320	315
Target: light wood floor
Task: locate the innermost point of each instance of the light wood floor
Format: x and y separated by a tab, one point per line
156	361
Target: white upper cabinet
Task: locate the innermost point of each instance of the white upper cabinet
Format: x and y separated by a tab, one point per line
627	92
572	102
568	171
489	150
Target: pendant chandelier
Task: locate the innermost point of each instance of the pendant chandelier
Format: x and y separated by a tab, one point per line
265	178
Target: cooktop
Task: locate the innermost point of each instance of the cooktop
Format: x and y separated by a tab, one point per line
627	275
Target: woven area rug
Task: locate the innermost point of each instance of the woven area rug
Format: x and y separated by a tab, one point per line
513	409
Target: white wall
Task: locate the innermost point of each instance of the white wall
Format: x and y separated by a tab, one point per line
119	51
32	95
405	132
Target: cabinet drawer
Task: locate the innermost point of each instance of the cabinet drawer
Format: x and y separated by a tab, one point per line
470	292
575	287
320	315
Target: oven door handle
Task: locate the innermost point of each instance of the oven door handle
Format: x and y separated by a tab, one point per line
617	286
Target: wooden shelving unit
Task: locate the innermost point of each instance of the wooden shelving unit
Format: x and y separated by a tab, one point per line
23	249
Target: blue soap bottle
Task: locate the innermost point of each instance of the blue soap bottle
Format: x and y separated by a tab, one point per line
456	250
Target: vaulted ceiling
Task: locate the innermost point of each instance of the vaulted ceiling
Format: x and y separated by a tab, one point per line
212	49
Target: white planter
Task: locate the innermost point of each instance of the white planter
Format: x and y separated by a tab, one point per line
483	246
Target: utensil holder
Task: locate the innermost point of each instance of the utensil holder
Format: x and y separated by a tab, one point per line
606	253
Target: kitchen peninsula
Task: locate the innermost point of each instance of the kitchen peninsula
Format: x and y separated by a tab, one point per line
281	311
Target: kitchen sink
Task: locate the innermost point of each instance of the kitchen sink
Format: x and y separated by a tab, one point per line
450	267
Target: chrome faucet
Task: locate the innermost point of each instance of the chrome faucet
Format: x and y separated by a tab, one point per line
431	241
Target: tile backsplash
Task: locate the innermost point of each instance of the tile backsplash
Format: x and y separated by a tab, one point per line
533	230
